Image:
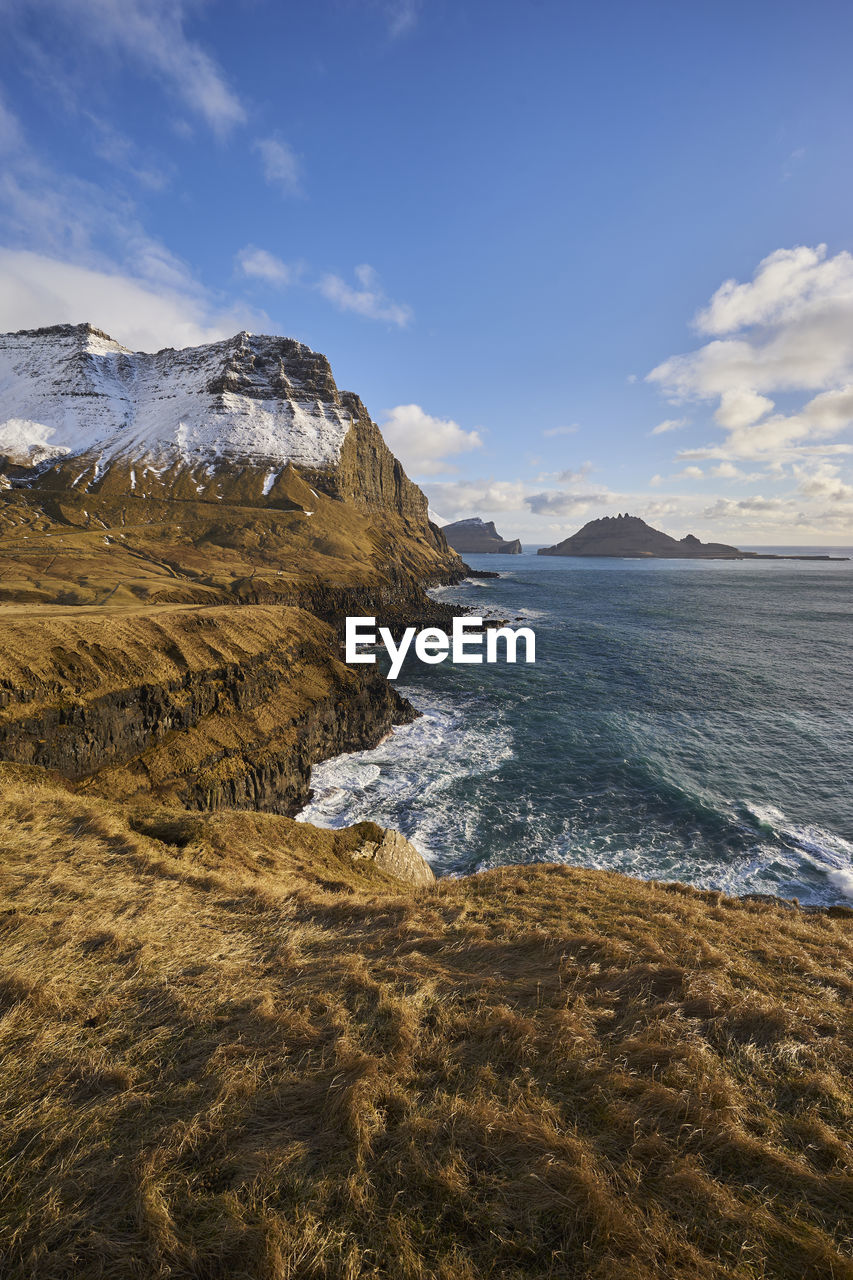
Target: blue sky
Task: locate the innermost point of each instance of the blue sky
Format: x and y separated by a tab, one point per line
510	228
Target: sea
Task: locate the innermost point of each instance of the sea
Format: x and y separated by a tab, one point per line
684	720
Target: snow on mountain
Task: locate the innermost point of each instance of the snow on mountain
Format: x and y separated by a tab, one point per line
71	389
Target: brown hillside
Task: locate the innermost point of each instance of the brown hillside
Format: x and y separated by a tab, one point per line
230	1050
206	706
84	548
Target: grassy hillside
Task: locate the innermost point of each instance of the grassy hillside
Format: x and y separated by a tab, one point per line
231	1049
114	546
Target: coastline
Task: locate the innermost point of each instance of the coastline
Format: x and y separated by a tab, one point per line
473	728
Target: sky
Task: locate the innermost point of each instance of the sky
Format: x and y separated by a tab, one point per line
577	259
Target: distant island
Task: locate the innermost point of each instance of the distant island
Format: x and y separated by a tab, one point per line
630	536
476	536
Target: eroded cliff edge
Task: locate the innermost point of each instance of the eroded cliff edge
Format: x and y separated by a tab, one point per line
203	707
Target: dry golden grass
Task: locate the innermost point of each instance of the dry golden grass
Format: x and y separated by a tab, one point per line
109	548
228	1052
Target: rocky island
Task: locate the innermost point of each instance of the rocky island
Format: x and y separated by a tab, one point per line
629	536
478	537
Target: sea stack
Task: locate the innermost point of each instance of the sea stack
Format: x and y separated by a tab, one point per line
478	537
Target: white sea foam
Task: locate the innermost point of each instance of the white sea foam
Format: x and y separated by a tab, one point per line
392	784
843	881
824	848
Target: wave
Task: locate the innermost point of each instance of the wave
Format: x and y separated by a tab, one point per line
829	853
405	781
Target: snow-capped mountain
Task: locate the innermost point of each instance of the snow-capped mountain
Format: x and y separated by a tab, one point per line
70	389
78	410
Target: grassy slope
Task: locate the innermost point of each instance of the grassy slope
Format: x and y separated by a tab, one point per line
233	1052
97	548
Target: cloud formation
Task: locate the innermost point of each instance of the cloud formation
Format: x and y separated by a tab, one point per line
788	330
37	290
150	35
369	300
281	165
669	424
258	264
562	502
424	443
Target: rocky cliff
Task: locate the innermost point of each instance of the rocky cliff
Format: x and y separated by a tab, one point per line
478	537
206	707
181	535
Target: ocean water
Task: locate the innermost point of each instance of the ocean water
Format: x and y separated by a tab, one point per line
684	720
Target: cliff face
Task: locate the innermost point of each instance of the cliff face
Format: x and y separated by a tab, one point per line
478	537
208	707
630	536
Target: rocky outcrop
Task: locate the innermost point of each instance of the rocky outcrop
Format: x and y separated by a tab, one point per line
387	850
479	537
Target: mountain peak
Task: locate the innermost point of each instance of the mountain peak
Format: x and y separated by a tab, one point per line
70	389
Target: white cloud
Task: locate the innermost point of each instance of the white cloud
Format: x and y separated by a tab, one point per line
560	431
740	508
370	300
423	443
786	283
690	473
823	480
36	291
740	407
789	329
281	165
261	265
149	34
457	499
567	476
669	424
728	471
